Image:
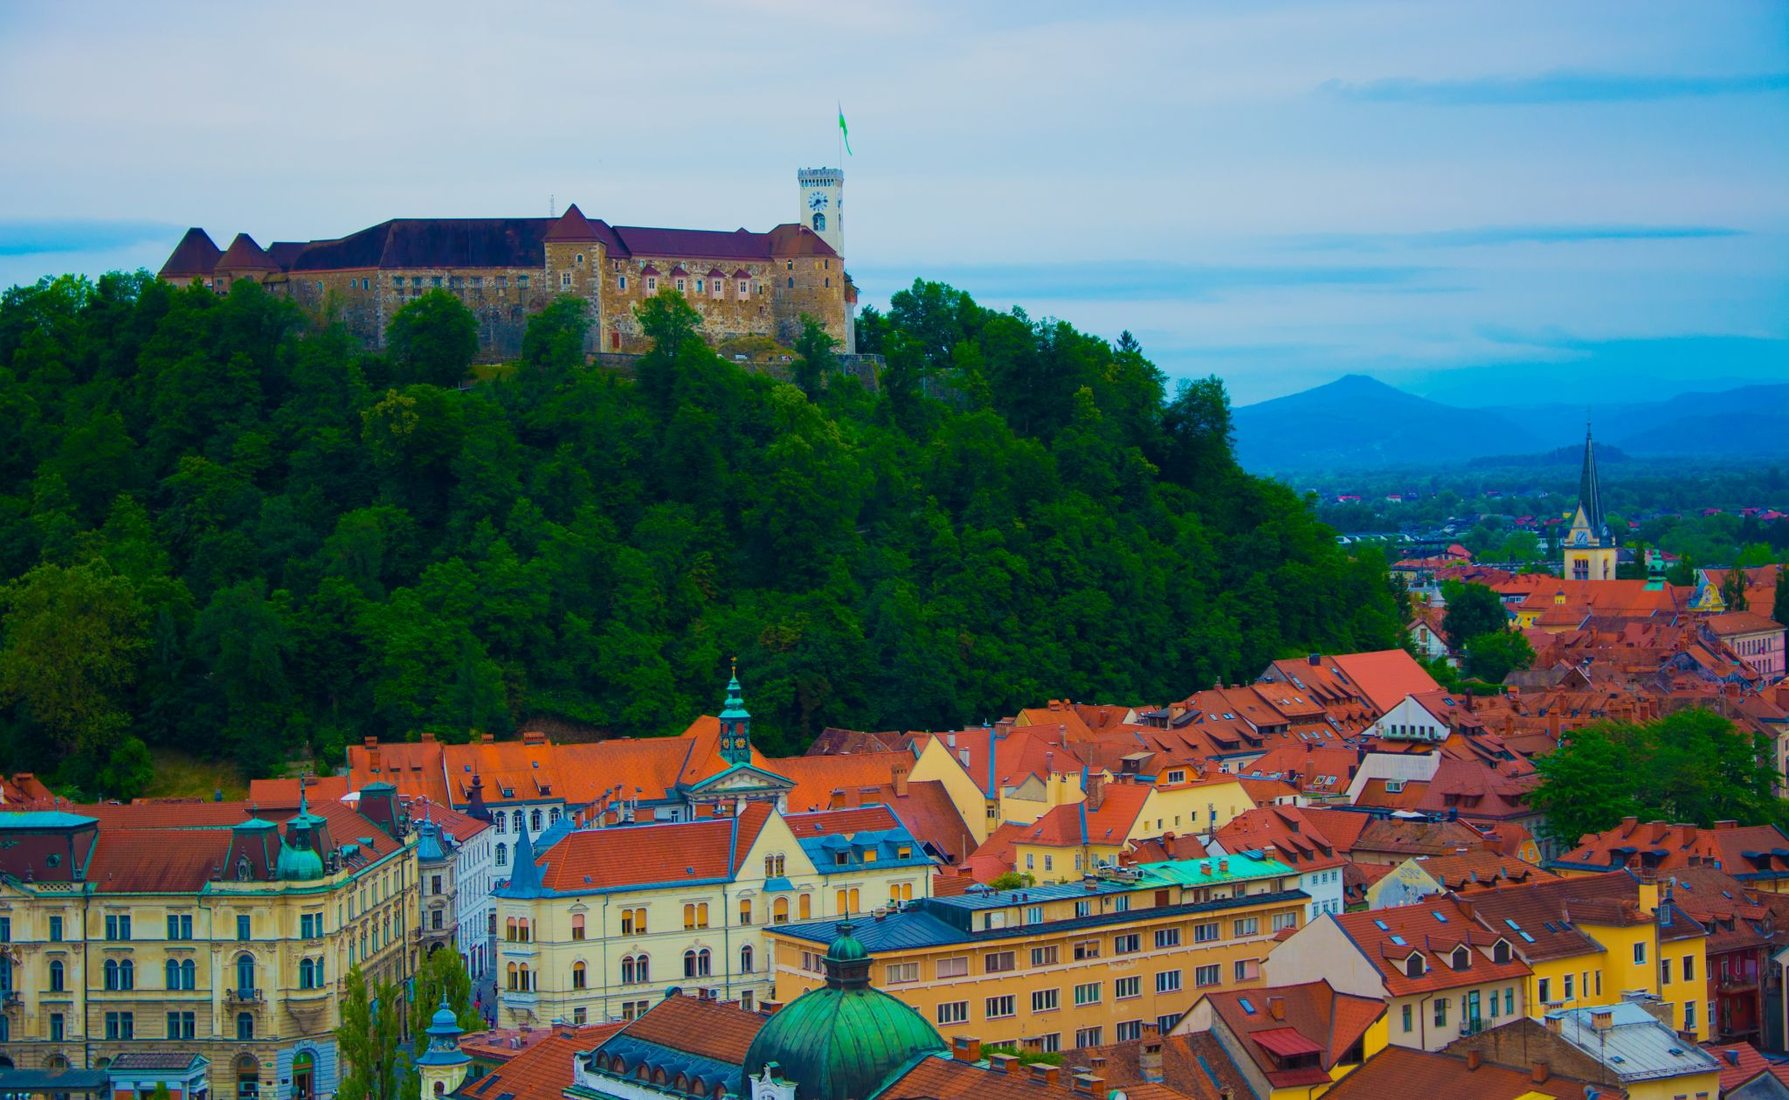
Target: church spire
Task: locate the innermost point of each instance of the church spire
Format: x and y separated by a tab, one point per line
524	876
736	723
1589	493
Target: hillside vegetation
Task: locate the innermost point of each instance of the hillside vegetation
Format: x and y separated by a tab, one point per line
227	529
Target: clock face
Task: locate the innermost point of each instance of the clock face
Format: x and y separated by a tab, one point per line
1583	537
817	201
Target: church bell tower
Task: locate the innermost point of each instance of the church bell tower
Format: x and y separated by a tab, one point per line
1589	545
823	204
736	724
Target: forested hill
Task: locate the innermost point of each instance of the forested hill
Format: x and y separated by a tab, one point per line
227	528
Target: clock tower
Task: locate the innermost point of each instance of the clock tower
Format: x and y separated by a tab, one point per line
823	204
736	724
1589	546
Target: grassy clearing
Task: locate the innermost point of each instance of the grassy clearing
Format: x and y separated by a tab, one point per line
178	775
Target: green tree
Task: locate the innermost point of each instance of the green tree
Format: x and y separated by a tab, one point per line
369	1042
553	344
432	339
1472	609
442	977
1492	656
1780	604
70	649
1584	786
1733	590
815	356
1011	880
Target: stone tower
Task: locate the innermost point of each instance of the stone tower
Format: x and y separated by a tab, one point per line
823	204
1589	546
736	725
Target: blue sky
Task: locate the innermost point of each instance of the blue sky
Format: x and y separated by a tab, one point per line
1473	201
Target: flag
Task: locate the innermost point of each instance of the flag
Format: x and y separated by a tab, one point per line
844	134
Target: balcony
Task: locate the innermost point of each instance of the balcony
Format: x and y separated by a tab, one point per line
11	998
1471	1027
244	997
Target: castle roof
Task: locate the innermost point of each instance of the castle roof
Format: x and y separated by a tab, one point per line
245	255
574	226
194	255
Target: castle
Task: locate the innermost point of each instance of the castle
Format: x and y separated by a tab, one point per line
743	284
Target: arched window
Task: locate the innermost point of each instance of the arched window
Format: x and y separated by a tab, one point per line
502	824
779	911
1413	966
523	934
527	979
518	816
56	976
745	959
127	975
502	855
534	822
245	1026
819	223
627	970
791	282
696	963
1500	953
245	973
111	971
509	977
577	975
1462	957
173	971
317	971
553	815
509	929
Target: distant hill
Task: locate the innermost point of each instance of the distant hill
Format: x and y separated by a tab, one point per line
1358	422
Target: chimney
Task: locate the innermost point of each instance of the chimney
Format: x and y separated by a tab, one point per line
487	739
1474	1058
428	738
1090	1084
965	1048
1043	1073
1149	1059
1315	659
1001	1063
769	1008
1540	1072
899	775
1602	1020
1096	790
1276	1007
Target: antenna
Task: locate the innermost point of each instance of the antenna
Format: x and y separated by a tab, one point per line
551	206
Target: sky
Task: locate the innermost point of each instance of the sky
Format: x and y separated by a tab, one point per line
1485	203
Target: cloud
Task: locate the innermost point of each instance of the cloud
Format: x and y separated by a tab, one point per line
1492	235
38	237
1147	280
1558	87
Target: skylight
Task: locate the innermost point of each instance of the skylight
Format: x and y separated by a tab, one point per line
1512	924
1438	915
1381	925
1399	940
1246	1006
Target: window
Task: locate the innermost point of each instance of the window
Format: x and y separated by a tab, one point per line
180	926
1000	1007
1640	954
696	963
1544	990
245	1027
1664	971
521	282
1125	988
502	824
434	884
435	281
1087	949
1129	1031
956	967
779	911
681	286
899	973
56	976
1045	1000
1207	975
633	922
635	969
746	959
182	1025
1044	956
695	915
1246	926
245	973
310	925
1121	904
121	1025
848	901
1083	908
621	282
792	287
745	289
55	1027
1165	1024
953	1012
118	927
1689	968
1087	1037
1167	937
745	910
1244	969
1689	1015
1167	981
997	962
1205	933
1408	1022
1283	921
577	926
651	283
1441	1012
773	865
899	892
1034	914
1128	944
578	973
243	926
1568	987
55	929
534	821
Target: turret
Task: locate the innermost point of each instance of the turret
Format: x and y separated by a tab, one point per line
736	724
443	1065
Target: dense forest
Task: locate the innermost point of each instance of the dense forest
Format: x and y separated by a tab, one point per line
226	527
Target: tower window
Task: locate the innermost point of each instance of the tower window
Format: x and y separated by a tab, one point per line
819	223
651	284
578	259
624	282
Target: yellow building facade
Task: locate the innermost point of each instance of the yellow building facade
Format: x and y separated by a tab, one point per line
1072	965
200	927
611	917
1073	838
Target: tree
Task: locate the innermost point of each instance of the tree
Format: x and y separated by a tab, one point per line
553	345
1472	609
1780	605
72	642
368	1041
814	356
1012	880
442	976
432	339
1584	787
1733	589
1493	656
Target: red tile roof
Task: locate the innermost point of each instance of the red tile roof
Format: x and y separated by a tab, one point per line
1385	676
1286	833
817	777
1416	930
1309	1018
1399	1073
194	256
1749	852
543	1071
641	855
719	1030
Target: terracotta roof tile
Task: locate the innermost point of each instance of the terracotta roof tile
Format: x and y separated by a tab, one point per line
719	1030
1399	1073
541	1072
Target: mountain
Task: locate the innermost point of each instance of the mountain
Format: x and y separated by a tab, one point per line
1358	422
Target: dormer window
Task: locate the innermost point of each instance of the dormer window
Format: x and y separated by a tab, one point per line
1413	967
1462	957
1500	952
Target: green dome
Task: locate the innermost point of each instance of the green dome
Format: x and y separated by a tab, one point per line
843	1041
299	864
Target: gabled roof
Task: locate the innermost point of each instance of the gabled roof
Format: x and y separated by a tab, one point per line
817	777
1433	928
1285	833
245	255
1077	823
1310	1018
194	256
541	1072
635	856
1385	676
715	1030
1746	852
574	226
1400	1073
